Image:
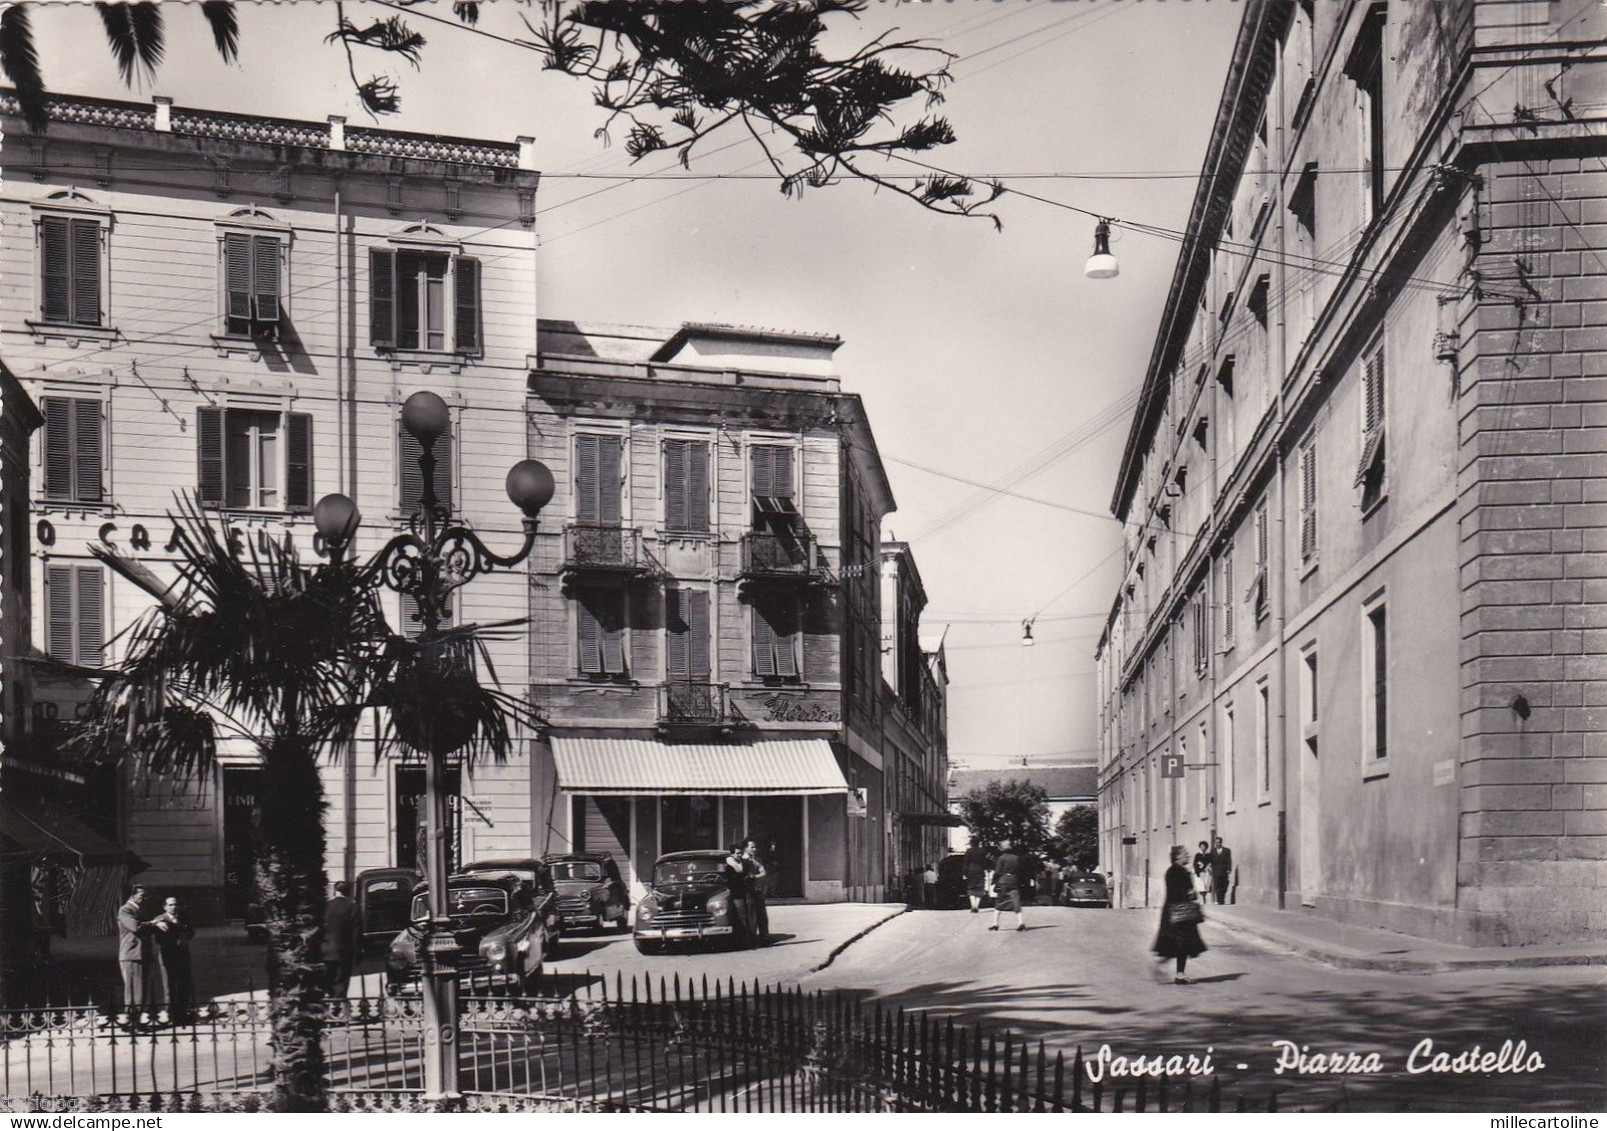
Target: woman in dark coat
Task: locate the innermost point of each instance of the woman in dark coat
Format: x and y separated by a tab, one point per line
1178	940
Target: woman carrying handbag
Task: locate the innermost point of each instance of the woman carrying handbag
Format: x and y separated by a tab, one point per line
1181	915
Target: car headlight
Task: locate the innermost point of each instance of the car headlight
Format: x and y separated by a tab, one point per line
645	912
496	951
585	893
719	905
523	946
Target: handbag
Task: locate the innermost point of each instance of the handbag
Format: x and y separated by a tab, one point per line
1184	913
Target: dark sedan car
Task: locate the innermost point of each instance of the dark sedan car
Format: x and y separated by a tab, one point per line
503	925
694	898
383	896
1084	889
590	891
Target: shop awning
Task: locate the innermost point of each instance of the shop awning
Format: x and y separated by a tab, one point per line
641	765
28	828
947	820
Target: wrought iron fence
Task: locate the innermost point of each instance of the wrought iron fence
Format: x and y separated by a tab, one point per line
576	1044
602	547
789	553
683	701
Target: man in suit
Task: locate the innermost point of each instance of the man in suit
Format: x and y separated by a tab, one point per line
131	936
1221	870
340	939
172	936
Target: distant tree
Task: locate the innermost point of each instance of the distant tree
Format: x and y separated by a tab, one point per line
1017	811
1077	837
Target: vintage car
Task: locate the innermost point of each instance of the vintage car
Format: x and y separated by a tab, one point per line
1085	889
382	896
590	891
694	898
505	925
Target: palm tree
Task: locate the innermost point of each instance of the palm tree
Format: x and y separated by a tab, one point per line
135	34
252	643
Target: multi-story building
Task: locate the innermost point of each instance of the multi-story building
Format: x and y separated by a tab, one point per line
705	603
235	308
1361	615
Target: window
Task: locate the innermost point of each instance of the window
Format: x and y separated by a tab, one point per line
251	266
75	614
1204	773
1257	302
1227	598
775	634
1308	686
600	625
1230	784
74	439
1300	54
686	486
1308	500
423	300
686	625
1256	595
1376	713
1263	737
410	475
1303	207
69	268
772	484
598	462
254	459
1370	471
1202	635
1366	69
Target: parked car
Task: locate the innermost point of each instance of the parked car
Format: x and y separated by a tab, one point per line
1086	889
693	898
382	896
505	926
590	891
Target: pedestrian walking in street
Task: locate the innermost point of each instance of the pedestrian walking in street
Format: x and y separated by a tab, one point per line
1221	870
1181	914
131	951
1008	874
976	875
172	935
929	886
340	940
1202	869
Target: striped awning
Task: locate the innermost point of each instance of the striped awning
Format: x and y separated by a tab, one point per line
642	765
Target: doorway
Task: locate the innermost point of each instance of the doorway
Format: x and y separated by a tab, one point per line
239	852
777	824
410	811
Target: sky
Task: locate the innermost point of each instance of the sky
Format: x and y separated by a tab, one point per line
984	357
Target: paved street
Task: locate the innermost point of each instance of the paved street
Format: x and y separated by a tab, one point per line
1084	977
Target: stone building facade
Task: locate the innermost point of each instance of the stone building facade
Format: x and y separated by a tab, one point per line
1361	615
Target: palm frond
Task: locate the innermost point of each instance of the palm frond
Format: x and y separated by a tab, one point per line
220	14
20	61
136	37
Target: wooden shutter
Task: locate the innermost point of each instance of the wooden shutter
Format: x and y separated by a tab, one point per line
412	625
209	447
409	477
764	644
677	634
1261	537
612	619
87	486
785	626
55	270
91	615
697	624
265	277
410	272
86	272
298	461
781	461
763	461
590	636
237	275
773	632
59	636
381	296
1227	597
697	487
59	454
609	451
586	461
1308	500
676	485
466	299
443	469
1373	390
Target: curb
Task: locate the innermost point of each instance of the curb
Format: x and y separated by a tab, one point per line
1352	960
852	939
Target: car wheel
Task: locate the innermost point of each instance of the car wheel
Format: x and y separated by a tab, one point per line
645	947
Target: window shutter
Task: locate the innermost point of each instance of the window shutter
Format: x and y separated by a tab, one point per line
298	461
265	277
1227	598
782	486
608	485
209	445
409	477
412	625
1261	537
55	270
91	616
382	296
697	627
586	508
677	487
697	487
678	634
466	295
764	644
1308	500
59	643
86	272
237	275
1373	390
763	460
58	412
590	636
443	469
87	450
612	620
784	624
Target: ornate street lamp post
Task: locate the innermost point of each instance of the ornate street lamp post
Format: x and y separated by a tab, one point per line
427	561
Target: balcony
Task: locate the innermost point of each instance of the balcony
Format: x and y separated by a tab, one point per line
693	703
788	555
603	550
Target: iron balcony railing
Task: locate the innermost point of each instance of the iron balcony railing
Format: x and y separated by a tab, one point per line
686	702
783	554
617	549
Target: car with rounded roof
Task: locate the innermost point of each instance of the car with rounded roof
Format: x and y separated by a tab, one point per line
694	898
590	890
505	925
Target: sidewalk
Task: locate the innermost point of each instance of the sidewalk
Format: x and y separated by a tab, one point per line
1356	947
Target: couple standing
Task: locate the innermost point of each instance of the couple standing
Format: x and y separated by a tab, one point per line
1213	869
154	957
